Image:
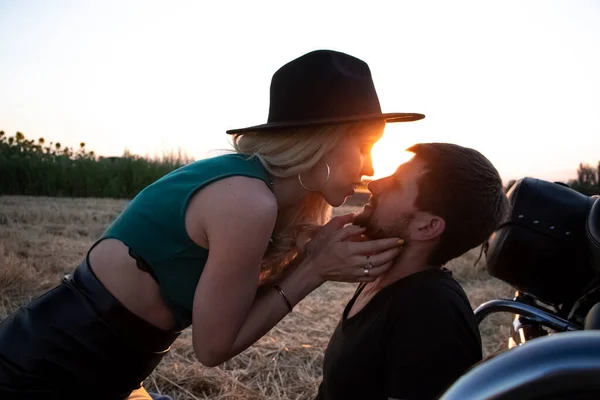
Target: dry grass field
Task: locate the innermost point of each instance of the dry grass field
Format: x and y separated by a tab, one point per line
41	239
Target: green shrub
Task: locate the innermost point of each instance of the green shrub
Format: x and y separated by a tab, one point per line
48	169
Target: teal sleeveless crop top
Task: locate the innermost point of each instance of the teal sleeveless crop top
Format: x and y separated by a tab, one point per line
152	225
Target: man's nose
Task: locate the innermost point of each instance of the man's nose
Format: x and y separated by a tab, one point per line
374	186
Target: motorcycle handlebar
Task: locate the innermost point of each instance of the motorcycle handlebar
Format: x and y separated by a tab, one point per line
543	317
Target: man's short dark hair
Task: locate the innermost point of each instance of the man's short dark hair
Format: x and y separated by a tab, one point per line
461	186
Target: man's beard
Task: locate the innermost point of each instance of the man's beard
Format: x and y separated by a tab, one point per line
374	230
365	218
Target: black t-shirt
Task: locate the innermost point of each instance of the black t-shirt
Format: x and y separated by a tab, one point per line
412	340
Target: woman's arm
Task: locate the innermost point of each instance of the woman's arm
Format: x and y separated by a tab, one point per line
330	257
237	216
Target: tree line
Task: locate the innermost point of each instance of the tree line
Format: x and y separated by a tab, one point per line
38	168
587	181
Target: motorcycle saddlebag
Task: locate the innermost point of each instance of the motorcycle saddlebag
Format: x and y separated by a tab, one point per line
541	249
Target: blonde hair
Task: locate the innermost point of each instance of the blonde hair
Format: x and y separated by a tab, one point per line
289	152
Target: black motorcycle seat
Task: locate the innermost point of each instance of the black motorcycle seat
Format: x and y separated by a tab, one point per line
593	233
564	365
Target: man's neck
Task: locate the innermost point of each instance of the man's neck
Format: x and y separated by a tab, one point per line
412	260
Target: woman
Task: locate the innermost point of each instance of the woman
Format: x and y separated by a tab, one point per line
151	274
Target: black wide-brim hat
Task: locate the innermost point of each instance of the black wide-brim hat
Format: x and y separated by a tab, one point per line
324	87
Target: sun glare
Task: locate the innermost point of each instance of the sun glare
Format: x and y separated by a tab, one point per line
389	152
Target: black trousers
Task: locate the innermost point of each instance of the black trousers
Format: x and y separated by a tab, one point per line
77	341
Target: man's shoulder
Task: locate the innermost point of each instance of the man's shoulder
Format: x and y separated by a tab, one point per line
438	282
429	291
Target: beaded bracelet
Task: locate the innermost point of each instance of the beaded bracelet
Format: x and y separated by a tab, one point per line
276	287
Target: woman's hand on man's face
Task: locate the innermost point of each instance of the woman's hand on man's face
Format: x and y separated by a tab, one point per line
338	252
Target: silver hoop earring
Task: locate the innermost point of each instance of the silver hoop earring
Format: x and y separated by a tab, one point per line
322	186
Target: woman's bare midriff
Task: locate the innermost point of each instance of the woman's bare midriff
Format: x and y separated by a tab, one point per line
134	288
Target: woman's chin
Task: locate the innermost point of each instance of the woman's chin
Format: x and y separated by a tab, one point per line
335	201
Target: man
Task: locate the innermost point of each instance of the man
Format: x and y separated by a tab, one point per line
412	332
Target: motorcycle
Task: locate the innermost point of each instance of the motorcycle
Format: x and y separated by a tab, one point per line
548	249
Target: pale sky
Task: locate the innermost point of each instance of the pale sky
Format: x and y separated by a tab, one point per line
517	80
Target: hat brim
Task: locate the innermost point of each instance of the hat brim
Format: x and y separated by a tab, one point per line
388	118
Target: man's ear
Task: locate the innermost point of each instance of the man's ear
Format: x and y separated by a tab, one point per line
427	227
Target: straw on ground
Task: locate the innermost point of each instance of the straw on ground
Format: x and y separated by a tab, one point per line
43	238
